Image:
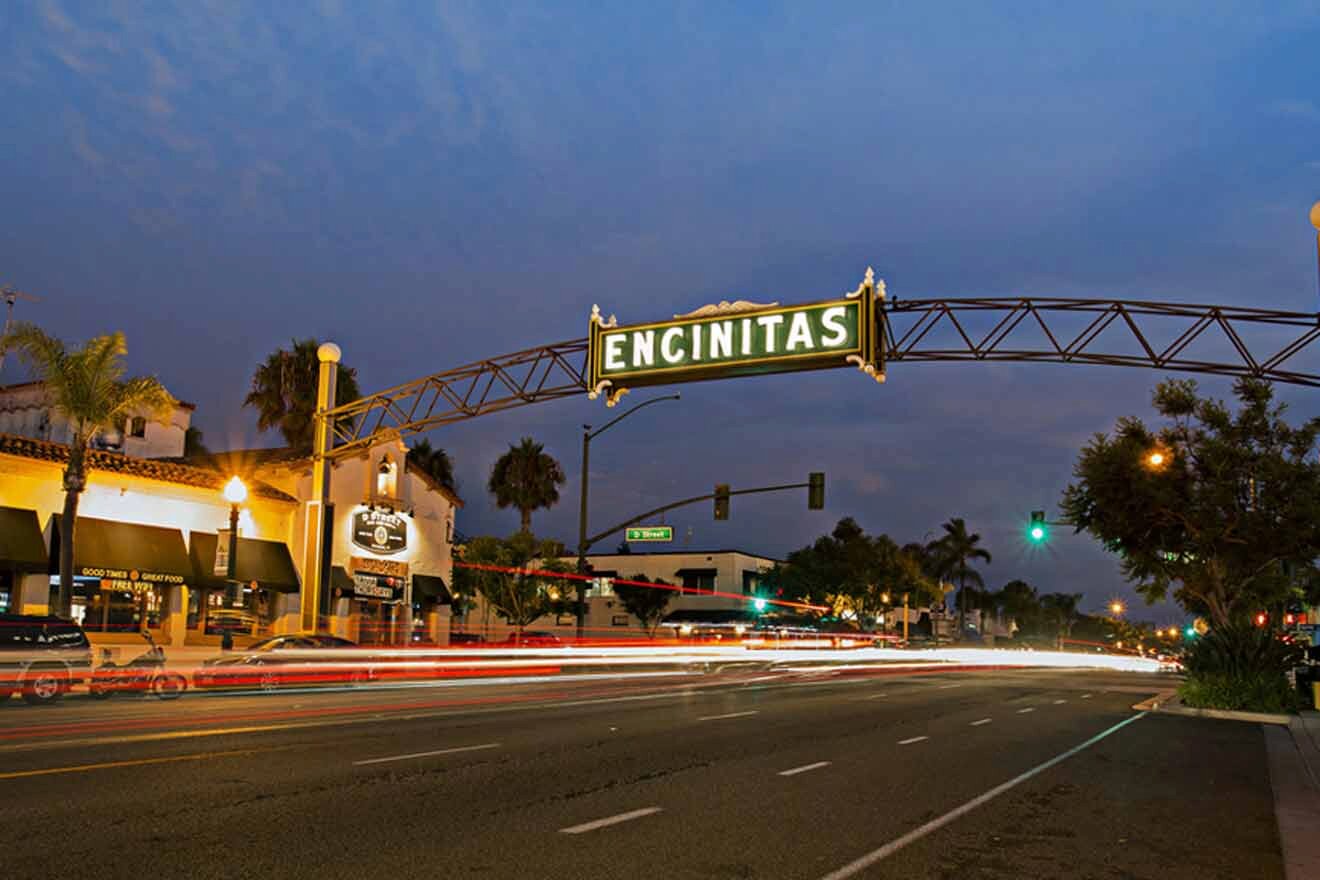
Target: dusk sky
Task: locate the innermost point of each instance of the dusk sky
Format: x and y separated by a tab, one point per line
427	184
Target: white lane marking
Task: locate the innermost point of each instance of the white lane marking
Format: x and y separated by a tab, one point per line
427	754
804	768
866	861
910	740
609	820
982	721
875	696
1059	702
1086	696
945	687
1026	710
728	715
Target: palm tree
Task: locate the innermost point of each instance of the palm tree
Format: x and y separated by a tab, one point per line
284	391
958	550
87	386
526	477
434	462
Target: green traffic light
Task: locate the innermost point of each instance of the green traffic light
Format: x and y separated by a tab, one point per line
1190	632
1037	533
759	604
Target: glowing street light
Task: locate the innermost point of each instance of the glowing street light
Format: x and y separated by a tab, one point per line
235	493
1117	608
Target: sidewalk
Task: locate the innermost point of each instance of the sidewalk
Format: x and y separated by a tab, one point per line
1294	762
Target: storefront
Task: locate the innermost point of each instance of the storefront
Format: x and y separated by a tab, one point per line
126	577
430	597
22	552
264	589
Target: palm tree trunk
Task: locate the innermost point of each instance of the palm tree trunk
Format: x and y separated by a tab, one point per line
74	483
526	520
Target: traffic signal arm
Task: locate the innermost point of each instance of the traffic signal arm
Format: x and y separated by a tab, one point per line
686	501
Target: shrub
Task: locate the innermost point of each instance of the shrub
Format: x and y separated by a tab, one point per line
1240	667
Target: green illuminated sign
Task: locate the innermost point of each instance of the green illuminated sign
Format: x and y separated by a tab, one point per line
736	339
650	533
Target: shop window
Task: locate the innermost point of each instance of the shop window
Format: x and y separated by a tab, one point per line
137	427
112	610
247	612
619	620
698	580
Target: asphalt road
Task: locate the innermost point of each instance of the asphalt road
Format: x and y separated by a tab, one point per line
950	775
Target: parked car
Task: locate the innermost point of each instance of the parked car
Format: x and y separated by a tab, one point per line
42	656
295	659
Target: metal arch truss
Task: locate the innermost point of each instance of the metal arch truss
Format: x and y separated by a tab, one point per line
512	380
940	330
951	329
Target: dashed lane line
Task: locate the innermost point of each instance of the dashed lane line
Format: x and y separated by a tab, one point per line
982	721
861	864
912	739
728	715
430	754
610	820
804	768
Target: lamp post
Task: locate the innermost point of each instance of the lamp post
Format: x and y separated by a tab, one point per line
587	436
235	494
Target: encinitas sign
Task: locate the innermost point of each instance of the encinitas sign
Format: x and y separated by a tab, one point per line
737	339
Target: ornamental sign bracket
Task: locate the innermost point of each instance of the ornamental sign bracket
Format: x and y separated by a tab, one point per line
739	338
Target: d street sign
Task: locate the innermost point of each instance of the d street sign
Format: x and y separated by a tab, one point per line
737	339
650	533
380	531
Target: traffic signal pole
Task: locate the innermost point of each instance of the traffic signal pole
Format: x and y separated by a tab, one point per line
585	545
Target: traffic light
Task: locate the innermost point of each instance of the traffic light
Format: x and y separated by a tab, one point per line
1038	532
1190	632
815	491
759	604
1261	618
1289	619
721	500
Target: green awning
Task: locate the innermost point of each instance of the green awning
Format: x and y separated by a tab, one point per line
21	546
427	586
266	562
122	551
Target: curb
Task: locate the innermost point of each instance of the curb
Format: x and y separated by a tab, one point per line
1168	703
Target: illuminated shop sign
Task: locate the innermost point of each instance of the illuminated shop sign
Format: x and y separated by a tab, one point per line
380	531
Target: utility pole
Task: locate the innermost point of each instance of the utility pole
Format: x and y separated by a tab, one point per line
583	543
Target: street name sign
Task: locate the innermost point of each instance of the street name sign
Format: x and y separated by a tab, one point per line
650	533
736	339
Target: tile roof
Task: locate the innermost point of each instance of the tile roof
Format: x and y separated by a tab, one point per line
149	468
243	461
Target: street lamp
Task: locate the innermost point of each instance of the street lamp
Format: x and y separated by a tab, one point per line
587	436
235	493
1117	608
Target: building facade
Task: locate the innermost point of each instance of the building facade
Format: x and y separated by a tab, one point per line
151	538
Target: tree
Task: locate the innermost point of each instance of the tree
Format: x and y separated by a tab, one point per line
647	604
284	391
434	462
1018	600
526	477
517	576
1059	612
955	551
87	386
193	447
1229	518
849	571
